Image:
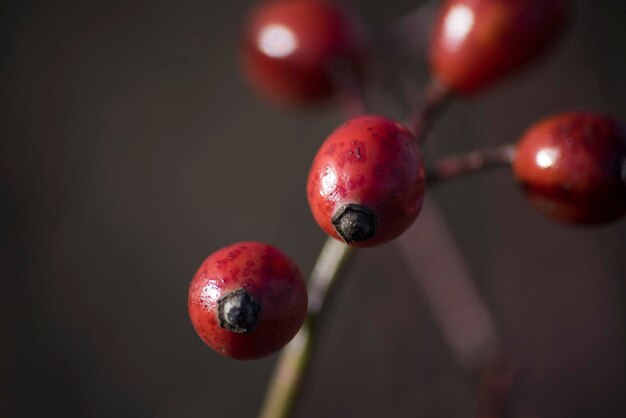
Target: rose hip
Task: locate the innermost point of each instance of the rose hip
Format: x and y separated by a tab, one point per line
247	300
477	42
573	167
366	184
291	47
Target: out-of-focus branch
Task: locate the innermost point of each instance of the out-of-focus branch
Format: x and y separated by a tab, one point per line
447	285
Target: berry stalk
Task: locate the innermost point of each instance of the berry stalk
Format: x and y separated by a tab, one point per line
473	162
436	97
286	384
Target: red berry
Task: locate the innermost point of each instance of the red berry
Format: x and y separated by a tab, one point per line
573	167
248	300
366	184
290	47
476	42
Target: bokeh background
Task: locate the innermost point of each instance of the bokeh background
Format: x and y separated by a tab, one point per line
131	148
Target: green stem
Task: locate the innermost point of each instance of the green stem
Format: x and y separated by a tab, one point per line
293	363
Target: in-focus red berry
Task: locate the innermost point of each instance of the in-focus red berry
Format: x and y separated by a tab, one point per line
291	47
573	167
477	42
366	184
247	300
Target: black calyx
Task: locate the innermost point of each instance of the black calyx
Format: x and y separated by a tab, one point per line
354	223
238	312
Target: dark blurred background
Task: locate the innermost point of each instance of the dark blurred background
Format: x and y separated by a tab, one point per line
131	148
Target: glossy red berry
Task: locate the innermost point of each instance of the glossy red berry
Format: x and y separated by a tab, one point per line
291	47
477	42
247	300
573	167
366	184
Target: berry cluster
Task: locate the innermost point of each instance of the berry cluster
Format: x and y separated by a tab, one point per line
367	182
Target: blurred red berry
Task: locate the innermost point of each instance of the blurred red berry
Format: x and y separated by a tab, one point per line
573	167
247	300
291	47
477	42
366	184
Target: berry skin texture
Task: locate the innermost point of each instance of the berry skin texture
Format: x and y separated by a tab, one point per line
478	42
247	300
366	183
573	168
291	46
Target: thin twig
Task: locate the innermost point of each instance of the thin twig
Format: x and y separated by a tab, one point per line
421	119
293	363
473	162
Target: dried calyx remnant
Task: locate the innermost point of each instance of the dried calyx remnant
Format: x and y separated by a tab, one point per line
354	223
238	312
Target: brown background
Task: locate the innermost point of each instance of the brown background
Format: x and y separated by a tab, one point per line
131	148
